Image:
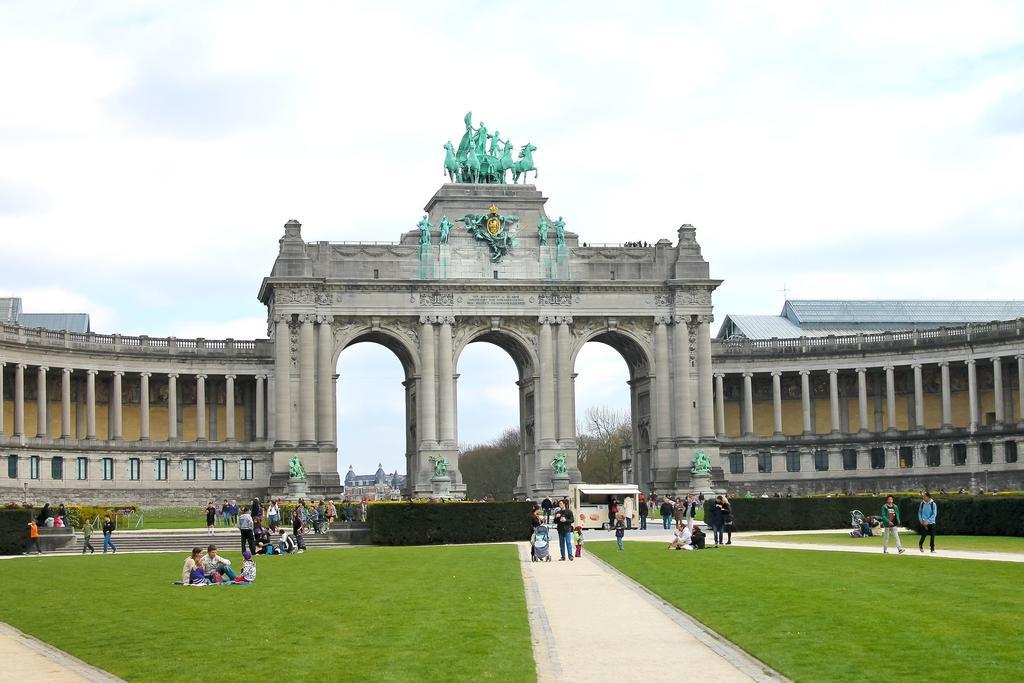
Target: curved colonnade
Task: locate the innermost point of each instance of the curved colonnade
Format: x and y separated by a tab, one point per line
941	408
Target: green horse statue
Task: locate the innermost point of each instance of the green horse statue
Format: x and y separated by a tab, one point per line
525	163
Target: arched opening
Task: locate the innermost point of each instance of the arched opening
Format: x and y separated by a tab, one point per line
374	435
613	396
494	414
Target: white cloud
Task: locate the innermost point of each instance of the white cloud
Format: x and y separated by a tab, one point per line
152	153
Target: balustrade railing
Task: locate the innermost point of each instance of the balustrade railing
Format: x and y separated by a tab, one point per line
74	340
933	337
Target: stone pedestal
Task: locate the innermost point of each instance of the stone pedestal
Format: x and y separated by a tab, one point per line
441	487
559	485
701	483
297	489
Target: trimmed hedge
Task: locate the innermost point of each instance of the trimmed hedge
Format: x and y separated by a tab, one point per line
425	523
794	514
14	530
973	515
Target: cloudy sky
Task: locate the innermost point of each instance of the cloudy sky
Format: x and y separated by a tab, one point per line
150	153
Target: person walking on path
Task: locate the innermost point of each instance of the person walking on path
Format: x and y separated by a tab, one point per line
666	513
211	518
546	506
727	518
717	519
563	524
33	538
108	532
890	525
927	512
86	535
245	526
643	509
620	530
274	514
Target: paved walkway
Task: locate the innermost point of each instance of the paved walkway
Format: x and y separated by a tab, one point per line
574	606
27	659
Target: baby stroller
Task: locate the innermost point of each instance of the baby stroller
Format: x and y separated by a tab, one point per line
541	545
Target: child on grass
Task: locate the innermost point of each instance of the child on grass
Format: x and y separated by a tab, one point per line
248	569
620	529
577	539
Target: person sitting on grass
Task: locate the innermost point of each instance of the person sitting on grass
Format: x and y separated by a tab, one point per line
681	540
285	543
697	538
216	567
263	543
248	569
192	573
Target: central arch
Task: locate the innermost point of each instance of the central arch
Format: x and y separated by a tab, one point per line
520	349
634	350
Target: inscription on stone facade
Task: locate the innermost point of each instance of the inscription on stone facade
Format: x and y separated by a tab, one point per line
555	299
436	299
495	300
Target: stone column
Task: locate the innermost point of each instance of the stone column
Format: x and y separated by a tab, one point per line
42	423
229	407
918	397
547	384
890	396
427	394
997	389
947	402
261	425
446	381
681	368
2	364
90	404
144	406
282	379
200	407
705	400
325	416
19	399
805	400
65	403
563	354
1020	387
720	401
777	401
862	398
172	406
833	400
748	404
307	380
115	404
663	373
972	393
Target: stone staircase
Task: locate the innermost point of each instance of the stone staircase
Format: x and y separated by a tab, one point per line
183	540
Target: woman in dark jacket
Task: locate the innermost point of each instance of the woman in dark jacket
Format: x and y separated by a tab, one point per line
727	518
44	514
666	512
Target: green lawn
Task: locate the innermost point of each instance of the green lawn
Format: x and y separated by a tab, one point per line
820	616
175	518
444	613
1002	544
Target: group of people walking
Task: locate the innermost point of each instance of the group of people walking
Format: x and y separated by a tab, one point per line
927	514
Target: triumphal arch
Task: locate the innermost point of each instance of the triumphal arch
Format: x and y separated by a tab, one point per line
486	263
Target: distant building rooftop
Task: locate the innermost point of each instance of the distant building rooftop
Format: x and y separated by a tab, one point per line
11	312
820	318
